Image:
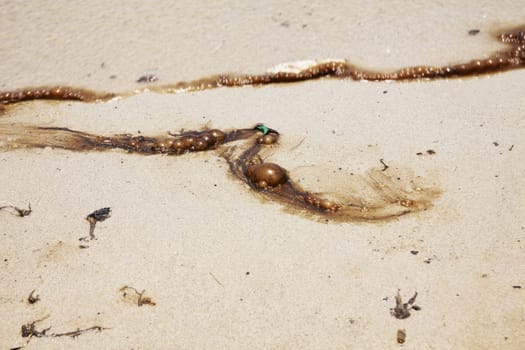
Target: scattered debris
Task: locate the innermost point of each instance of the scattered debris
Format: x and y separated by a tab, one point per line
511	148
414	252
384	164
77	332
29	330
473	32
96	216
428	151
137	297
495	143
401	336
17	211
148	78
216	279
33	298
402	310
516	287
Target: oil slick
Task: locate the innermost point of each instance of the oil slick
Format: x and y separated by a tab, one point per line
511	58
382	196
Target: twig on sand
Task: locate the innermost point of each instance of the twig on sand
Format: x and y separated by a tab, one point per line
141	299
16	210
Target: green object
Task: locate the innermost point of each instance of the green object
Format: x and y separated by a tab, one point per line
263	128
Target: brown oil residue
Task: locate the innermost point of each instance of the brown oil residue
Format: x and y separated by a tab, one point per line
65	93
511	58
385	199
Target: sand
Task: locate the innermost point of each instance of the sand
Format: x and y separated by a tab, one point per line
226	269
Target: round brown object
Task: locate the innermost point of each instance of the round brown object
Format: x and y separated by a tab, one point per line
218	135
199	144
188	140
208	138
267	175
178	146
327	205
268	139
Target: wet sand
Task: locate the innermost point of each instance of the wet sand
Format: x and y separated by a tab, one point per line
224	266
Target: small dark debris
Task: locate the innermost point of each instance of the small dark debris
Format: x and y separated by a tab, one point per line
414	252
33	298
516	287
419	153
401	336
473	32
285	24
96	216
427	261
29	330
141	299
385	166
495	143
431	151
511	148
99	215
18	211
402	310
113	76
148	78
247	273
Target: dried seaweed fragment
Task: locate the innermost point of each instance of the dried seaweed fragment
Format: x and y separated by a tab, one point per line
137	297
33	298
402	310
29	330
96	216
16	210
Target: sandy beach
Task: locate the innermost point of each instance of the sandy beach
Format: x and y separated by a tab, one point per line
192	257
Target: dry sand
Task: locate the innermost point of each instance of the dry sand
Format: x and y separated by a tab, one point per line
225	269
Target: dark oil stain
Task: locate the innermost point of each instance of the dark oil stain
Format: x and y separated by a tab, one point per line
56	253
382	196
511	58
